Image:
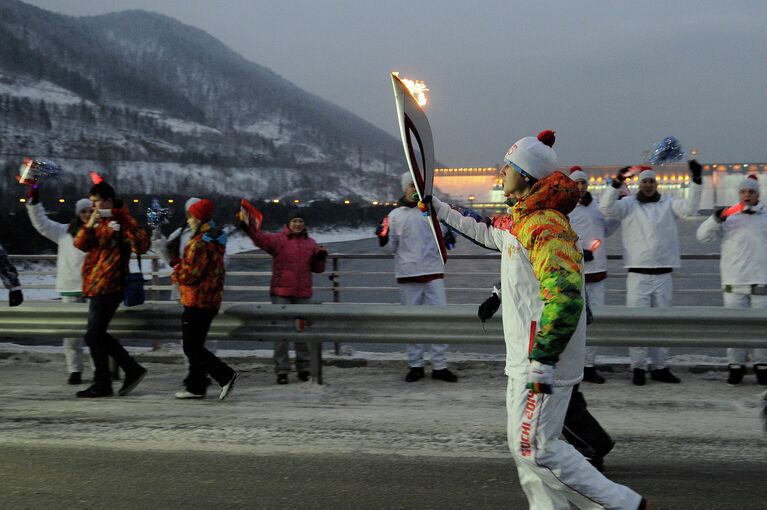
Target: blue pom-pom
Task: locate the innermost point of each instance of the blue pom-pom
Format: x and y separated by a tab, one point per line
667	151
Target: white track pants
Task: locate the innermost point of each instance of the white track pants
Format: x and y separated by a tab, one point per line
648	291
73	347
596	296
552	473
416	294
734	300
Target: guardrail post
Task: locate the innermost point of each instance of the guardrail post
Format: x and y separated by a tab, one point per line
315	354
155	293
336	298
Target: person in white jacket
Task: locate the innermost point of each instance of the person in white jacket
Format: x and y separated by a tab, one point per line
650	251
742	230
592	228
420	273
69	262
544	327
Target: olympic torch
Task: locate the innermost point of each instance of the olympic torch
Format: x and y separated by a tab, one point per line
418	143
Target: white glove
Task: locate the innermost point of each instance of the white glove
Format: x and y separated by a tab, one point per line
540	377
114	226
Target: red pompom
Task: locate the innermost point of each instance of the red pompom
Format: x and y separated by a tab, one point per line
547	137
575	168
96	178
753	176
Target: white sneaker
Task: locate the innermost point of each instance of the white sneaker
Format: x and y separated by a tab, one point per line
188	394
226	388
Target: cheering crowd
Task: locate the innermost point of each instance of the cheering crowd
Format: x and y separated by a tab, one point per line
552	266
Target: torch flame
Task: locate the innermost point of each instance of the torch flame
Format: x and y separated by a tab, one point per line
417	88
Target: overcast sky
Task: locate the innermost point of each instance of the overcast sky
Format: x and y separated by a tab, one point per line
611	77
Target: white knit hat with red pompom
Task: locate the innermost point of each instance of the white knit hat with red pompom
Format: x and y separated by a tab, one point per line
533	156
577	174
751	182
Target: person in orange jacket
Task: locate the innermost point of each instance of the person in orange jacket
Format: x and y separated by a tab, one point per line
199	275
108	238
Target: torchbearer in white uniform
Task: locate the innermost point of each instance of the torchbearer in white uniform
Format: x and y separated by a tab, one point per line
544	326
650	251
592	228
743	231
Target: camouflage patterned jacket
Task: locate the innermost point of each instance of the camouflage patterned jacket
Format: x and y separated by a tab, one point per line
200	274
108	245
541	277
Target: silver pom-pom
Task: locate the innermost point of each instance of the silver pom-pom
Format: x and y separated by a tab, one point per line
157	215
667	151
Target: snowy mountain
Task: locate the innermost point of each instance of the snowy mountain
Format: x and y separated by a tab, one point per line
160	107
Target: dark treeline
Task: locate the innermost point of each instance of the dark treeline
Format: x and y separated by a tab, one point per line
19	237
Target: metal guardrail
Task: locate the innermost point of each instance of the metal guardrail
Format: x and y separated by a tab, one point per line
366	323
335	275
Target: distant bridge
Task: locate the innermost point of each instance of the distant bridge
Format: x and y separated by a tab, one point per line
481	187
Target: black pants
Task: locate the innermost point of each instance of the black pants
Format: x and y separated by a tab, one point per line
103	345
583	431
195	323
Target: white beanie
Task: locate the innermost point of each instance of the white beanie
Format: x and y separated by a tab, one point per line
751	182
533	156
646	174
577	174
190	202
83	203
406	179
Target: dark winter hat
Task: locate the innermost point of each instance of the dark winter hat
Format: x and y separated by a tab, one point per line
202	210
296	213
103	190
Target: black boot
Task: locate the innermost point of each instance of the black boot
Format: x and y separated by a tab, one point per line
75	378
94	391
591	375
761	374
639	378
736	374
131	380
414	374
444	375
664	375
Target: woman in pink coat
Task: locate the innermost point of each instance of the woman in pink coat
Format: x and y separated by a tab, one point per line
295	257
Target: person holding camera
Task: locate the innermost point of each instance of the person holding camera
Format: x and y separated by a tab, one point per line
108	238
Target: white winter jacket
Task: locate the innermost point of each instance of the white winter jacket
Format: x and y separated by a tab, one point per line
523	304
744	246
412	242
650	237
591	225
69	260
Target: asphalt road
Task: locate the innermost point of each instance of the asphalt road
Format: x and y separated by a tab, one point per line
49	477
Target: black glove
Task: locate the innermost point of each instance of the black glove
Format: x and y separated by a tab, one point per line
449	238
696	169
321	255
588	255
488	307
15	297
718	214
620	178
